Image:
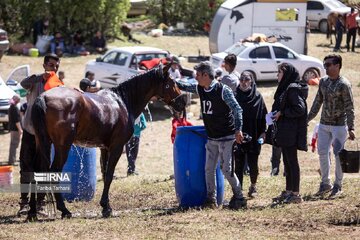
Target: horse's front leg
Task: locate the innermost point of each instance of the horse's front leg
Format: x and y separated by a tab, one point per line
113	158
60	158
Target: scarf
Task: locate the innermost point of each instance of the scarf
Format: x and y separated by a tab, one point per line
254	111
291	75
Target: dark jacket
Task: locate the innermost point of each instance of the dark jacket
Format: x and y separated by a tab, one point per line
292	124
254	112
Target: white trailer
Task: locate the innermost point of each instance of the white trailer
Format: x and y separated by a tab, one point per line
238	19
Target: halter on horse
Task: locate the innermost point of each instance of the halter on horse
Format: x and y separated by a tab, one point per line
64	116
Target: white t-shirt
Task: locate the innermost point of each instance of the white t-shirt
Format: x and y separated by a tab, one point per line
232	80
174	74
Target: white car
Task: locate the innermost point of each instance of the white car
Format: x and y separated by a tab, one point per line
318	11
6	92
119	64
262	59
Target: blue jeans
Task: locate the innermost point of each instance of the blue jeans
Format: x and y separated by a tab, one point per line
132	150
327	135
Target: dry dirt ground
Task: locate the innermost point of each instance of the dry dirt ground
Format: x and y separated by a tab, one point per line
145	206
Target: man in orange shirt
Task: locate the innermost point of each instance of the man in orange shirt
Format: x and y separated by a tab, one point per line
351	27
35	85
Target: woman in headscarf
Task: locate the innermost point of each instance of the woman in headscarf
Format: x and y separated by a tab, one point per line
290	104
254	124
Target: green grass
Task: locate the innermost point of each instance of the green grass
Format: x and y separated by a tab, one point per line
145	206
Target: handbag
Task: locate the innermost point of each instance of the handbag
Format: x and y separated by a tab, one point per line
350	160
270	134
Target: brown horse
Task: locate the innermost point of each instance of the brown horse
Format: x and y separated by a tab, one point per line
105	119
331	23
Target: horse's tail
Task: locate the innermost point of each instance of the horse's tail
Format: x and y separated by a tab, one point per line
43	142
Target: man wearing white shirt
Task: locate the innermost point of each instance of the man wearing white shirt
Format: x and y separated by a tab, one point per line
232	79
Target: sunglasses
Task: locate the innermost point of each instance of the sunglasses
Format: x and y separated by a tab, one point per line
328	64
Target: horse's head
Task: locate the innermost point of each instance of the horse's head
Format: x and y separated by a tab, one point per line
170	92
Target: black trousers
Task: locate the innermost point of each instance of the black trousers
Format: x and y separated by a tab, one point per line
292	168
275	157
27	163
252	160
27	166
351	34
132	150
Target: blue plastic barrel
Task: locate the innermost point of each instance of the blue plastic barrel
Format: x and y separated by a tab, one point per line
189	167
81	163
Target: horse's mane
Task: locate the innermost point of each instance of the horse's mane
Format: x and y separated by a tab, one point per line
133	89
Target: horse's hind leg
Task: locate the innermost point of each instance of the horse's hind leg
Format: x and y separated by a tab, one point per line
103	162
113	158
61	154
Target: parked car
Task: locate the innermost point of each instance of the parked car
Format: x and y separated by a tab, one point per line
7	92
262	59
15	77
4	42
119	64
318	10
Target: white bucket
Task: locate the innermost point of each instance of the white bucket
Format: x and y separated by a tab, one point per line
156	32
43	43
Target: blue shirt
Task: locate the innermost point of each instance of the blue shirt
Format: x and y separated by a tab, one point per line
139	125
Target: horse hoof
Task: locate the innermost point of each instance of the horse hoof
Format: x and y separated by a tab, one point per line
106	212
66	215
31	217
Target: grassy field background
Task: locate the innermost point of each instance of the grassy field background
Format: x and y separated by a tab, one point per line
145	206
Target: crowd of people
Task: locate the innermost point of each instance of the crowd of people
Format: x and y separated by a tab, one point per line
346	24
76	44
235	118
232	108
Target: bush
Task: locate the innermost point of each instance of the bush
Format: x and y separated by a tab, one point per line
194	13
66	16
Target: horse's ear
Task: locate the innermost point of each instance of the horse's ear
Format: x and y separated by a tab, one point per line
167	67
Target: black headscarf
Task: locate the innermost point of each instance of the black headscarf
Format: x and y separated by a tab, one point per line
254	111
291	75
249	100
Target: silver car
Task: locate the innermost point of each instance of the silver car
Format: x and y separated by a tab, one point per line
119	64
262	59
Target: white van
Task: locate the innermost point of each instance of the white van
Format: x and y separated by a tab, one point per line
8	91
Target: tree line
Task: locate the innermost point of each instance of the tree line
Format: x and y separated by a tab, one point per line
17	17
